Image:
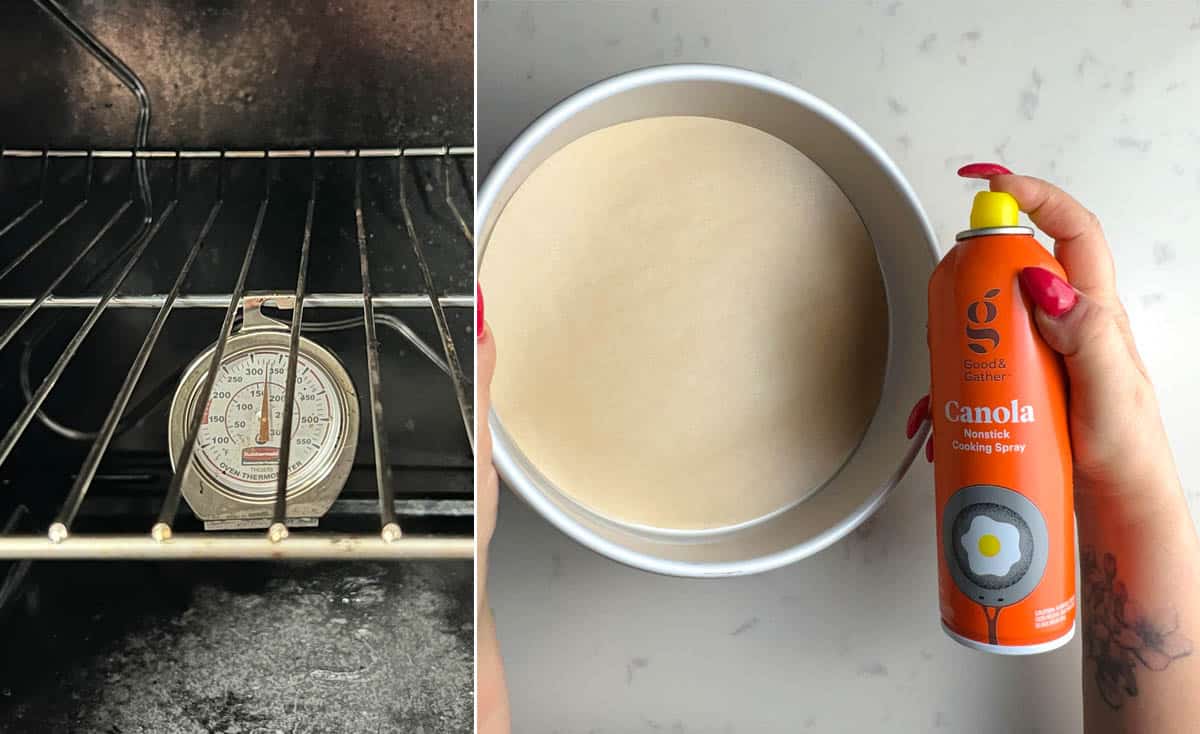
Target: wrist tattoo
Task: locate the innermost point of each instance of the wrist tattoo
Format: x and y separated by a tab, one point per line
1119	635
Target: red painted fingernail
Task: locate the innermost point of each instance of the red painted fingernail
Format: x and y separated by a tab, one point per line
1051	293
983	170
918	415
480	325
929	450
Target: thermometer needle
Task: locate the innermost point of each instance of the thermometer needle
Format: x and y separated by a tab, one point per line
264	416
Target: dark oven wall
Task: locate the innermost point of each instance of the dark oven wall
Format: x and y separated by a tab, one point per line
278	73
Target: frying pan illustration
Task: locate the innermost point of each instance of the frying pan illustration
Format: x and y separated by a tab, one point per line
996	546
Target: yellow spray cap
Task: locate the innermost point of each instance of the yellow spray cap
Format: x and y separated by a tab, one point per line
994	209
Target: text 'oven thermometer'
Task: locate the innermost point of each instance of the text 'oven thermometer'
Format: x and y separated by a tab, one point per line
235	464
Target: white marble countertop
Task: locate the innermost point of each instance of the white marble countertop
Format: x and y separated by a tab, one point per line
1104	101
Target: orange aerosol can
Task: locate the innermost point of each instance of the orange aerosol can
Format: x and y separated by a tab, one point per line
998	400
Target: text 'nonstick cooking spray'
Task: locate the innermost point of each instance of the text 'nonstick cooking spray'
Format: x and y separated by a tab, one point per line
1005	512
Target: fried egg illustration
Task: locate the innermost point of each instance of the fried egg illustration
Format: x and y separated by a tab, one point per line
992	547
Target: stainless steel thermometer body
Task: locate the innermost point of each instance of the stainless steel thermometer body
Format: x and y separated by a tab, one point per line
235	464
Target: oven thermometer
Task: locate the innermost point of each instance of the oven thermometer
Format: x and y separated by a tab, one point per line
235	464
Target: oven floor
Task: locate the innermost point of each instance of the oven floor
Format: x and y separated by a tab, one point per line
248	648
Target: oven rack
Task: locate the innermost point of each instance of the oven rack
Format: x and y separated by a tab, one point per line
160	541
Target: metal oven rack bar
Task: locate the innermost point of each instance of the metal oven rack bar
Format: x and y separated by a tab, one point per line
278	530
36	203
83	200
464	398
160	542
316	300
383	468
170	507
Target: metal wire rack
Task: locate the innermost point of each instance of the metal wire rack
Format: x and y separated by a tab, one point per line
160	541
79	196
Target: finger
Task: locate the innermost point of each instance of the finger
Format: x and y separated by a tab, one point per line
1088	336
918	415
1079	242
485	368
487	485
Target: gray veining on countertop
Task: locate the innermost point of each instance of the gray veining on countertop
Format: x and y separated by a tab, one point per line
1103	101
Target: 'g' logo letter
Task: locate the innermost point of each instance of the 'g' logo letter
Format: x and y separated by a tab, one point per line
982	339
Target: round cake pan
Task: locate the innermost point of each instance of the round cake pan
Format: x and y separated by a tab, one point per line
906	251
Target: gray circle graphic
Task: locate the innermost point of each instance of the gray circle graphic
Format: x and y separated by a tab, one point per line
1004	506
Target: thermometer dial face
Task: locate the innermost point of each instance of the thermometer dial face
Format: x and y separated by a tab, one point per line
240	435
235	464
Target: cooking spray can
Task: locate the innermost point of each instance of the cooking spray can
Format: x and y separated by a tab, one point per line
1002	469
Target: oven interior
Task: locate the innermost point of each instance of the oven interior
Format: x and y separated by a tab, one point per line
319	130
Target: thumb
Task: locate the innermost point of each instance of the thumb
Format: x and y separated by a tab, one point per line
1086	333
